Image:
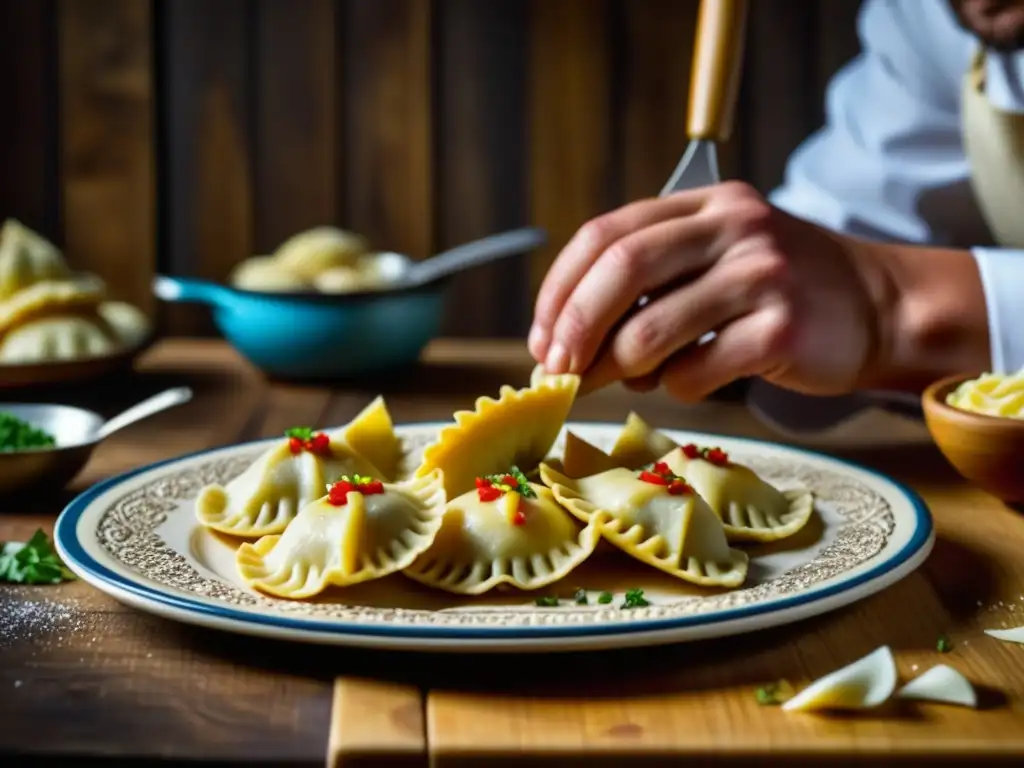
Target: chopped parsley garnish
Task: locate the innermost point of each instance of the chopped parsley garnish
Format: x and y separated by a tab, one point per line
943	645
635	599
33	562
18	435
300	433
774	693
605	597
580	597
547	601
522	484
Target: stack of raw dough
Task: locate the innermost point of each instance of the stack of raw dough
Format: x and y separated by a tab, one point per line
324	259
49	313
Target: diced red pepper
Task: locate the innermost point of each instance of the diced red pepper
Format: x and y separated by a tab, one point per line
661	468
319	444
690	451
650	477
372	488
489	493
717	456
679	488
519	518
510	481
483	482
295	445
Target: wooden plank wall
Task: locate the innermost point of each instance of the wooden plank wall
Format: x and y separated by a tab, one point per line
186	135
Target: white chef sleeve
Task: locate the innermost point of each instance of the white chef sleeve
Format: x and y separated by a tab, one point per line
1002	278
889	164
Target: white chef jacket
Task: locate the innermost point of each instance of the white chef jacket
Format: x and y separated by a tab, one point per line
889	163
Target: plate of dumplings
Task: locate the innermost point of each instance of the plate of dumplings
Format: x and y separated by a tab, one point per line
510	527
56	324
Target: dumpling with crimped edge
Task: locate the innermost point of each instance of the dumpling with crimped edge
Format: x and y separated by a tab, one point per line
518	428
26	258
657	519
130	324
506	531
639	444
372	435
265	498
315	250
750	508
58	338
83	292
362	529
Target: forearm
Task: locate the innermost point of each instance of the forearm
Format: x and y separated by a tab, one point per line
934	319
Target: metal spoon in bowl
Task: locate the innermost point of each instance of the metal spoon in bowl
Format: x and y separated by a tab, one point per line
76	432
400	271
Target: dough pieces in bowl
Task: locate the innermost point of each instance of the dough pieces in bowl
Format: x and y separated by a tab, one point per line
313	251
362	529
266	274
657	519
506	531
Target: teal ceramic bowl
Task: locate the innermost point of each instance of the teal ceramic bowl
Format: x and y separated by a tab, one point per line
315	336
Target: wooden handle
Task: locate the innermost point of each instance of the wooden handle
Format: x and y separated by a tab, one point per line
717	62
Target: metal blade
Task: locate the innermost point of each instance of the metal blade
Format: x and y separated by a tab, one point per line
697	168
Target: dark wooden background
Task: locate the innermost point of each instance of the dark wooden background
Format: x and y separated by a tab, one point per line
186	135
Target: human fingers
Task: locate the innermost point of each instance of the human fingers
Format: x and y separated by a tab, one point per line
749	346
643	261
587	245
726	291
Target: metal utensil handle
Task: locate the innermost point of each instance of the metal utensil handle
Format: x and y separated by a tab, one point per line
717	64
478	252
166	399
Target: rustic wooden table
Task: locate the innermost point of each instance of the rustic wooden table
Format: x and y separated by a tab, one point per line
84	678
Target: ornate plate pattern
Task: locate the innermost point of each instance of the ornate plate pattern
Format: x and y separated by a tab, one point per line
136	537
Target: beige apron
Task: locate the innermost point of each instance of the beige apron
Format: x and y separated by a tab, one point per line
994	146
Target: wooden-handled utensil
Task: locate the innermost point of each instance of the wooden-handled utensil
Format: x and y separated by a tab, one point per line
714	87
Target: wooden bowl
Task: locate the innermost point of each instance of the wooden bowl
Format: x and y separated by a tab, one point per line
987	450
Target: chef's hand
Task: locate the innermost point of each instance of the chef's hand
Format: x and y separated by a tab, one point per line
795	304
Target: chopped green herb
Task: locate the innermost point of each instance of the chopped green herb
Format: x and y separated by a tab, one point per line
943	645
635	599
774	693
522	482
18	435
605	597
580	597
33	562
547	601
302	433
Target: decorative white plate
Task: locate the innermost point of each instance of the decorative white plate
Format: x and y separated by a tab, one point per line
136	538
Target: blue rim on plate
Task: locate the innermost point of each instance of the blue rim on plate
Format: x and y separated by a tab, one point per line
71	550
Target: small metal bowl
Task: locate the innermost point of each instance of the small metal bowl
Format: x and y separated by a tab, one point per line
73	429
76	432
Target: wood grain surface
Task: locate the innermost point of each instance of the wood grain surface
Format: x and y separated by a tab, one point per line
84	677
108	159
